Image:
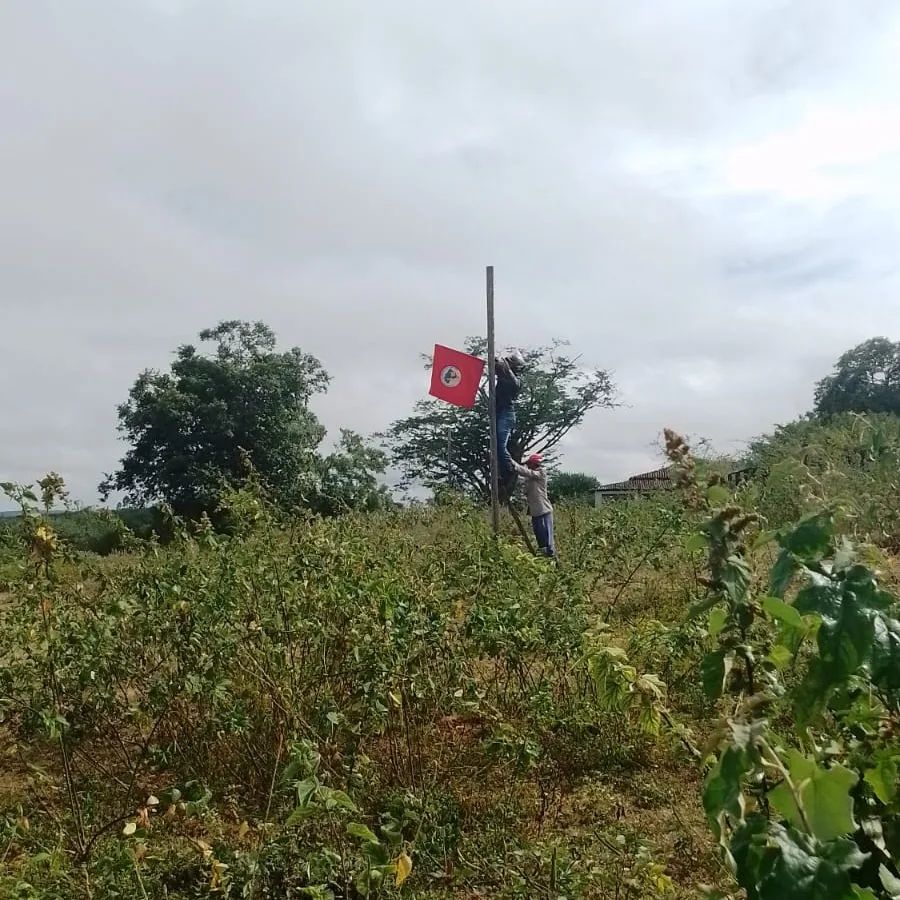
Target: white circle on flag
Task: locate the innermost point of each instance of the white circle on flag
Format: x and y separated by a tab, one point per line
451	376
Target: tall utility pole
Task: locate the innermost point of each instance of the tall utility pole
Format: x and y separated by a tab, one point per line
492	404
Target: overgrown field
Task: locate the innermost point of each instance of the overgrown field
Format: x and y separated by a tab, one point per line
398	705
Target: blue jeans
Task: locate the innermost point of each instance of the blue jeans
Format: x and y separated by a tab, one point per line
543	531
506	422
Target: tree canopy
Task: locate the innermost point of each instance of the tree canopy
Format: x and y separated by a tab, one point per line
444	446
866	379
195	427
572	487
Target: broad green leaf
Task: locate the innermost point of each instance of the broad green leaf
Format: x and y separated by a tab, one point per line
305	789
845	638
817	871
340	800
714	670
780	656
824	795
375	853
718	616
778	863
883	779
722	791
782	612
404	868
862	893
783	572
811	539
702	606
696	542
886	654
718	495
363	832
736	577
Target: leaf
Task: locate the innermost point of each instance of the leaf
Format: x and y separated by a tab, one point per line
340	800
736	577
718	616
780	656
722	791
782	612
783	572
811	539
306	789
846	637
883	779
696	542
129	829
702	606
862	893
363	832
718	495
714	670
886	653
824	795
889	881
404	868
801	869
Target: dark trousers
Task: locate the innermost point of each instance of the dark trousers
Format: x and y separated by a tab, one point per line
543	531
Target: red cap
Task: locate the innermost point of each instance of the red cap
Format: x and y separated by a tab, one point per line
534	460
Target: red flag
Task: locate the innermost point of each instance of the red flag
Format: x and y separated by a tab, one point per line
455	376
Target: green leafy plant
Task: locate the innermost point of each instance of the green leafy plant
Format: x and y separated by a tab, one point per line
811	667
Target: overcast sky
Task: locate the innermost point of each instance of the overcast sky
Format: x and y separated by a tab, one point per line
701	195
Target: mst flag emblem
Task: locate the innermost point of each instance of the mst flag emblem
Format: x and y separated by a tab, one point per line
455	376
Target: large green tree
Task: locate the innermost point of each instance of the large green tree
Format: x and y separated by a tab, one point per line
193	429
444	446
865	379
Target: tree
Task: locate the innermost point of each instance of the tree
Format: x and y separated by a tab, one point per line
865	379
445	446
574	487
347	479
195	427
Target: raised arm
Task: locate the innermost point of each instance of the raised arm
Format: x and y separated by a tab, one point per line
525	472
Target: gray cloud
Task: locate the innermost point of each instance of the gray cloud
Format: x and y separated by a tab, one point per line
344	171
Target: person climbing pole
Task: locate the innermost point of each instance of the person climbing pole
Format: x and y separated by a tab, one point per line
509	367
539	506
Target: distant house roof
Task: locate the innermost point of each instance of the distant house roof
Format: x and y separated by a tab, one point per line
661	480
657	480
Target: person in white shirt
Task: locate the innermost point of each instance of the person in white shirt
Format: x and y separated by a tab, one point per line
539	506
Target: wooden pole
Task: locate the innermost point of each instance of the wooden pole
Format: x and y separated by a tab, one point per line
492	404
